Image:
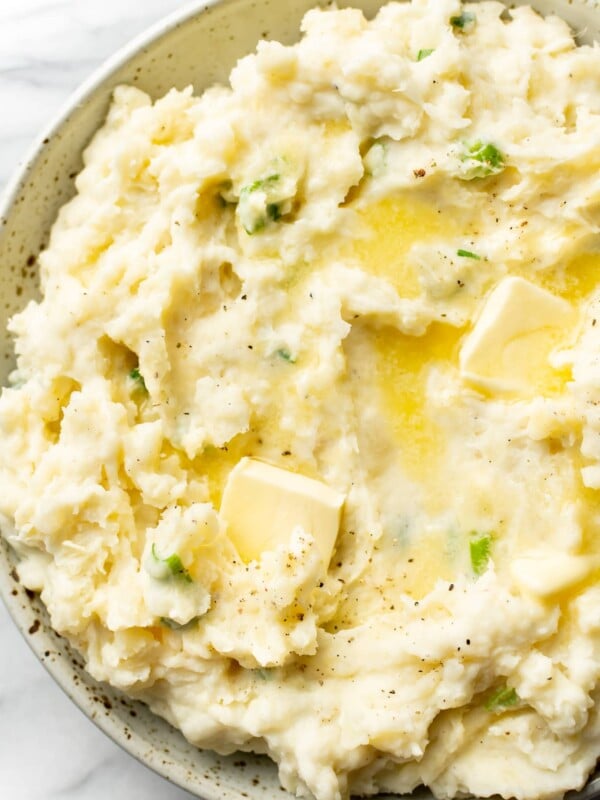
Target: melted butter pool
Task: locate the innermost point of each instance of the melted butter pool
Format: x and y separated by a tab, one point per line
574	280
401	368
395	225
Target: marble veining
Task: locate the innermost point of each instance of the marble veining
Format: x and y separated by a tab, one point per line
50	750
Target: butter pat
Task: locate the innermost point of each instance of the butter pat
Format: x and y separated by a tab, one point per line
520	325
545	575
263	504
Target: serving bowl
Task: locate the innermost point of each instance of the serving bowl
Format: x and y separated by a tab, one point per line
198	45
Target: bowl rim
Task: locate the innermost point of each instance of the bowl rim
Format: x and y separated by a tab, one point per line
102	72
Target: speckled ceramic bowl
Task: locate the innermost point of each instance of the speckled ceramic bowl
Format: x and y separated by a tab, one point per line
198	45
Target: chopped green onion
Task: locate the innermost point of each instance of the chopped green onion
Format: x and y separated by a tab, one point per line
424	53
170	567
487	154
480	551
138	378
286	355
272	210
462	21
502	698
261	183
468	254
482	159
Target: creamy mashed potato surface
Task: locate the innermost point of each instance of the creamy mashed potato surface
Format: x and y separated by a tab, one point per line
303	443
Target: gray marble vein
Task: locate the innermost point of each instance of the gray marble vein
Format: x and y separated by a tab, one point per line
50	750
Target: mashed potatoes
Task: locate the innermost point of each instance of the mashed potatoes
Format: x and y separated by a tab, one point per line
303	445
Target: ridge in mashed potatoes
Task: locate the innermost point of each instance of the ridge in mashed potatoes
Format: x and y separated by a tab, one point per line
370	266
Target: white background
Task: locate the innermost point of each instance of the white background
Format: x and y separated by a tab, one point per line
48	749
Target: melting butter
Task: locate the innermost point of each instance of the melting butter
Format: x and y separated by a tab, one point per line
402	365
574	280
264	504
395	225
518	328
216	463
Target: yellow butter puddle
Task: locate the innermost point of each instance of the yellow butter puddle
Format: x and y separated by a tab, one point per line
395	225
401	368
403	444
574	280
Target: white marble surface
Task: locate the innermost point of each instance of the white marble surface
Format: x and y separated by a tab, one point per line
50	751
